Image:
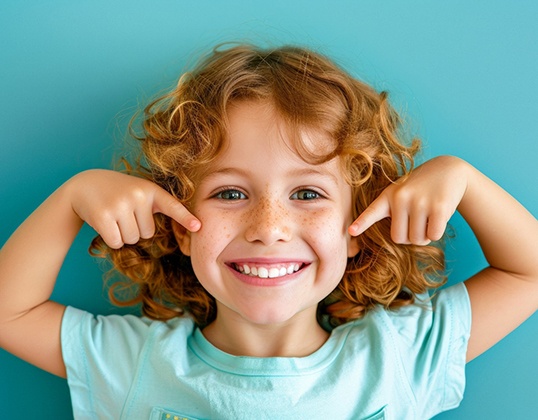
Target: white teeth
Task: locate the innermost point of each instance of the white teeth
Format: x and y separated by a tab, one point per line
268	272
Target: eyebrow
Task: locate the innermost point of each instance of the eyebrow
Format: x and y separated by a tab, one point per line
226	171
293	173
314	172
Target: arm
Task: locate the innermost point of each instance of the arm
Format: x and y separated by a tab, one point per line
117	206
504	294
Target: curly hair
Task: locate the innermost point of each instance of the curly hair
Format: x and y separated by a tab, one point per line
184	131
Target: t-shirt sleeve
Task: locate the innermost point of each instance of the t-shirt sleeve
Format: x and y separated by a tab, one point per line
101	354
433	336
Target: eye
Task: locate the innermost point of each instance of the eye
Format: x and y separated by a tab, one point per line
230	194
305	195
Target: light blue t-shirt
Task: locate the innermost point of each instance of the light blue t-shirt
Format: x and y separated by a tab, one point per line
403	364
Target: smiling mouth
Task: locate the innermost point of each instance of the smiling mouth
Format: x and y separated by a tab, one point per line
266	272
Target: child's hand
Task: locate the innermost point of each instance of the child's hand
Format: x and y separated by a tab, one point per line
120	207
421	205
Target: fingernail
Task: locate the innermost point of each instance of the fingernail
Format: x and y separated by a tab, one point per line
194	225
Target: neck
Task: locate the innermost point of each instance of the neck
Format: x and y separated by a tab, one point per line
299	337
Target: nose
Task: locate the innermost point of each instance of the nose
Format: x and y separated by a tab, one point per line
268	222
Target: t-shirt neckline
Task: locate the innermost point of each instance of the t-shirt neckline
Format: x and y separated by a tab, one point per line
266	366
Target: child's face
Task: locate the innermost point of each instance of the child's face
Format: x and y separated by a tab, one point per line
264	210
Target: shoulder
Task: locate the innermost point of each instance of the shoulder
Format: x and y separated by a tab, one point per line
446	311
131	329
104	355
423	345
127	334
446	307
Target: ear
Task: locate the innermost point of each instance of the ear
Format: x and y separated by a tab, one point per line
353	247
183	238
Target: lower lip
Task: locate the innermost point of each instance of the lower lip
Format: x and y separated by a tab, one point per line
268	282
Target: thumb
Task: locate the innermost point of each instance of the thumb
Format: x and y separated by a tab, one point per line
378	210
168	205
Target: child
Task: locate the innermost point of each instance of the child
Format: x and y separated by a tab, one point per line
278	240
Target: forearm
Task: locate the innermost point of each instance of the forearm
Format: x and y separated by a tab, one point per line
506	231
31	259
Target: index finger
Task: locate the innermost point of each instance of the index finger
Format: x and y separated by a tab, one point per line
378	210
168	205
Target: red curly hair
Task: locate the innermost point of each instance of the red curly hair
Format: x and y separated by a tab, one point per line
184	131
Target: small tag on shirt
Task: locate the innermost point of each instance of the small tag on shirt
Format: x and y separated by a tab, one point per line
163	414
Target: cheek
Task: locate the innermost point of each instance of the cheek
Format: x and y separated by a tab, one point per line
216	231
206	241
206	246
327	232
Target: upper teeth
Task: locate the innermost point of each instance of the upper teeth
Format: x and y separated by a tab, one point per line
267	272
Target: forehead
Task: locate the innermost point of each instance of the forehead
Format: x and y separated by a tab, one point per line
257	123
259	143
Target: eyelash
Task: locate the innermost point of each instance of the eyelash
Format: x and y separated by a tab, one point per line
219	194
239	195
295	195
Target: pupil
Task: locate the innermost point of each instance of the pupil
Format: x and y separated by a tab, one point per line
232	195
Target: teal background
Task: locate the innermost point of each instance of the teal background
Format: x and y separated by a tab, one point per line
73	72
